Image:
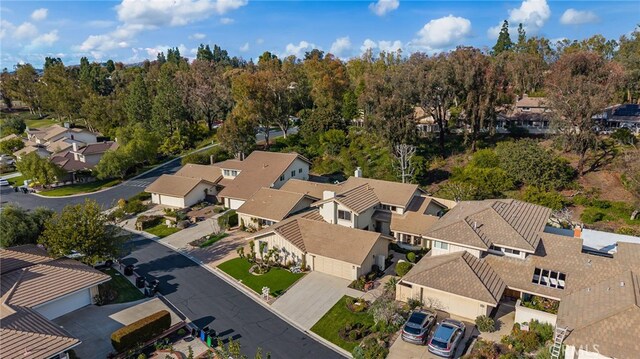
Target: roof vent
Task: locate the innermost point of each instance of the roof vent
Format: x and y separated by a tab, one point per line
475	225
588	289
621	283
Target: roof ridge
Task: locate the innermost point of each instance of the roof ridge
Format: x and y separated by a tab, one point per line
40	334
492	207
466	256
9	295
484	239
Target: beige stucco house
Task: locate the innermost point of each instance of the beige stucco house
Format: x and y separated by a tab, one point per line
191	184
269	206
328	248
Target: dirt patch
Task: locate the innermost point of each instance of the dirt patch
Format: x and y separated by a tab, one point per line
608	185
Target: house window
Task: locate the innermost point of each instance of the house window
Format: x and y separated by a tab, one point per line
293	173
549	278
299	170
282	178
440	245
227	173
234	173
346	215
512	251
389	208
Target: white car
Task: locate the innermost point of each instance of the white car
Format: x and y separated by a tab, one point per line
3	182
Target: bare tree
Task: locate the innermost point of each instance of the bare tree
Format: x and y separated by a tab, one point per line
403	154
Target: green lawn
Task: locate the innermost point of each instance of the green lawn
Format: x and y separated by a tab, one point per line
17	181
162	230
80	188
213	239
35	123
337	318
127	292
277	279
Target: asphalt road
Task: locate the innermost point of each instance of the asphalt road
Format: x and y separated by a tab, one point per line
106	198
209	301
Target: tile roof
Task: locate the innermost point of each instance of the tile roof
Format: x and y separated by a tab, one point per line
415	220
479	224
459	273
259	169
22	256
606	314
24	333
312	189
173	185
210	173
358	199
96	148
392	193
271	204
309	233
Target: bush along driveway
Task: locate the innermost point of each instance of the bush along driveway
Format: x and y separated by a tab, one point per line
277	279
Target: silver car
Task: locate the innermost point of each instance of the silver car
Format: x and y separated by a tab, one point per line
416	329
446	338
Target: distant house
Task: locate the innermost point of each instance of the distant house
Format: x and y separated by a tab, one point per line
81	159
55	139
336	250
620	116
529	113
36	289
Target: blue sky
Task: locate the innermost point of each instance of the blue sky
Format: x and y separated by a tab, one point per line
133	30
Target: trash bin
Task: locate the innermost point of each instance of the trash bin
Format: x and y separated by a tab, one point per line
15	189
128	270
140	282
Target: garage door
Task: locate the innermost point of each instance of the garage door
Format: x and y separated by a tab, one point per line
235	203
65	305
334	267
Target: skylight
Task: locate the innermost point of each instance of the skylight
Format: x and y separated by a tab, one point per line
549	278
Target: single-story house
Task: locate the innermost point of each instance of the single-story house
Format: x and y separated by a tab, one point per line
336	250
36	289
458	283
269	206
193	183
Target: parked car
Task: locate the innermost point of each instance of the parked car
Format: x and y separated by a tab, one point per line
417	328
3	182
446	338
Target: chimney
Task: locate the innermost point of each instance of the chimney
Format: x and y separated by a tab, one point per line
358	172
75	146
212	159
66	125
328	194
577	232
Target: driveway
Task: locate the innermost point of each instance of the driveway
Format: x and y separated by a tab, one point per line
210	301
93	325
311	297
403	350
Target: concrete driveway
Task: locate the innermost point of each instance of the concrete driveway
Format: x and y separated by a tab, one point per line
311	297
93	325
403	350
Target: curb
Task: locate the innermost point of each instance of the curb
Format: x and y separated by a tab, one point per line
231	281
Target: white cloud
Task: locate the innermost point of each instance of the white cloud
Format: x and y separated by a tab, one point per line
26	30
341	46
578	17
100	24
259	41
197	36
299	49
383	45
5	28
226	21
47	39
245	47
442	33
39	14
532	14
382	7
141	15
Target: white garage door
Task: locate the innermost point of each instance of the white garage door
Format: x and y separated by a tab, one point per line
172	201
65	305
235	203
334	267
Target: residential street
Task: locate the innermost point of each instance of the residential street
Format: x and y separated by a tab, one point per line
209	301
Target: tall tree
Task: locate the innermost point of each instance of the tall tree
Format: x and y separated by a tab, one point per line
204	53
41	170
61	90
27	89
521	45
579	86
137	103
168	113
21	227
628	55
504	42
82	228
237	136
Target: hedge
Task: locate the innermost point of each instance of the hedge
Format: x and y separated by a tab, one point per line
141	331
230	219
144	222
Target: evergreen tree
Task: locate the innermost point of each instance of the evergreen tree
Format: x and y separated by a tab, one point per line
110	66
204	53
137	104
504	42
522	39
220	55
161	59
173	56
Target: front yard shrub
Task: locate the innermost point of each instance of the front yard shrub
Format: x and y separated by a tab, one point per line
134	206
543	330
354	332
228	220
528	341
485	324
370	348
140	331
411	257
356	305
541	304
144	222
413	303
403	268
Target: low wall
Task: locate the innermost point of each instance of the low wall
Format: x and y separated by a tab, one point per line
525	315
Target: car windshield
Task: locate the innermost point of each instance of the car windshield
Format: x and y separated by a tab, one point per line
412	329
438	344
